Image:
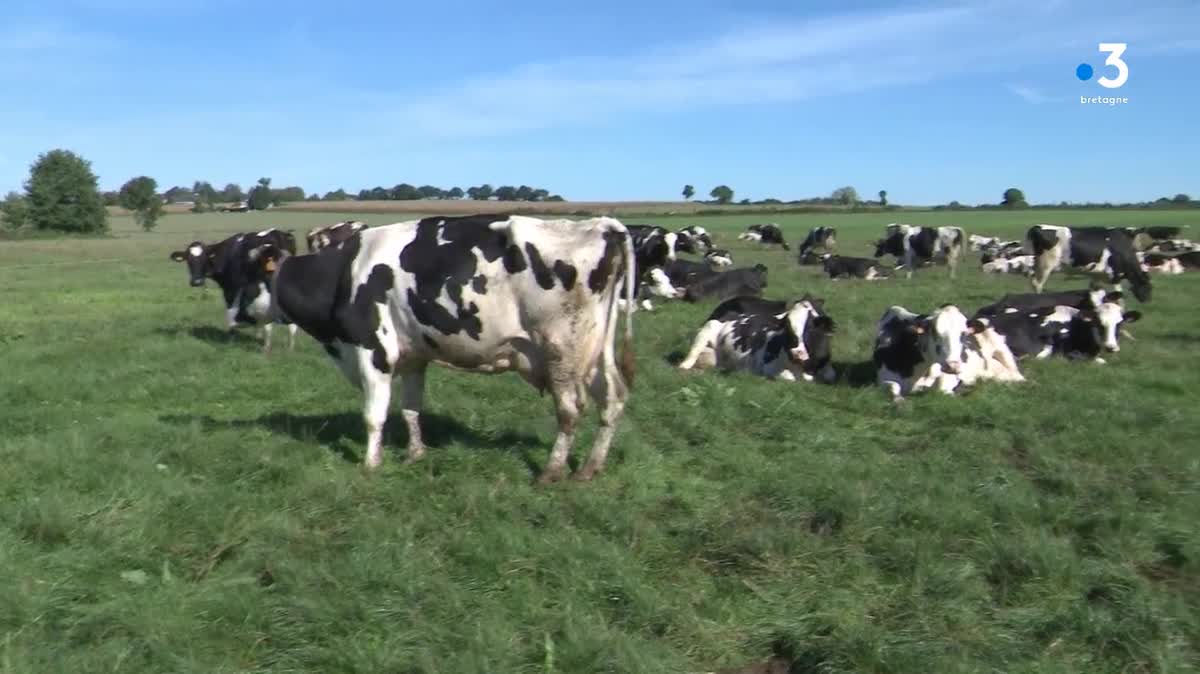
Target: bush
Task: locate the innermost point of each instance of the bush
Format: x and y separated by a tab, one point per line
13	211
140	195
61	194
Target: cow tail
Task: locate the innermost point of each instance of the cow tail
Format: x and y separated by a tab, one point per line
627	364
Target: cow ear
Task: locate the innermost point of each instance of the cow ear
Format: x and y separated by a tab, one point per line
1132	316
178	256
975	326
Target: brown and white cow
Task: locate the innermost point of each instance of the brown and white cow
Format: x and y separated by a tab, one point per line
482	293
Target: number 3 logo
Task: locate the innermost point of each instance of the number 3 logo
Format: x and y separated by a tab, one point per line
1114	49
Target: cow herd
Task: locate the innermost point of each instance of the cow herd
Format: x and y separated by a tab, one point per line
545	297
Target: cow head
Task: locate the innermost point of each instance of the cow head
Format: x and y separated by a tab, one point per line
656	281
264	261
795	323
199	262
1103	324
719	258
943	335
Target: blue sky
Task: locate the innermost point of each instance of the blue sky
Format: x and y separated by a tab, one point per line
932	101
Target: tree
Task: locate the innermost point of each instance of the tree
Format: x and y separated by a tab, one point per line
206	196
484	192
1014	198
177	194
62	194
431	192
232	193
111	198
337	195
405	192
259	198
554	197
140	195
13	210
722	193
1182	199
883	198
506	193
846	196
540	194
455	193
688	192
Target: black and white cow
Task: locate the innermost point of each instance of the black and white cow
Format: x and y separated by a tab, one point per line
977	242
653	283
1189	260
769	345
328	235
1018	264
693	239
719	258
1084	298
819	238
818	334
810	258
1174	246
1073	332
723	285
683	272
1094	250
766	234
1162	264
230	263
482	293
941	350
838	266
1001	250
912	245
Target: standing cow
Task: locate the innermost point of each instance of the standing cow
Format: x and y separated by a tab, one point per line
1095	250
330	235
917	245
482	293
230	263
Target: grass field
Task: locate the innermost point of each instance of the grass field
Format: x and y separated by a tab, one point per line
173	501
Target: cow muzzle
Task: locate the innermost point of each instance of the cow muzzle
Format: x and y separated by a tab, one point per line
197	282
798	355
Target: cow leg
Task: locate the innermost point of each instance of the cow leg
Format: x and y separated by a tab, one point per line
952	261
292	328
1042	266
705	342
567	404
909	261
413	382
266	335
610	392
377	395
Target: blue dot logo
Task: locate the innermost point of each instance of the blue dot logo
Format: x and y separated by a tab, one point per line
1084	72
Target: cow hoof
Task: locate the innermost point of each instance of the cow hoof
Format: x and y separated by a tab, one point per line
414	457
585	474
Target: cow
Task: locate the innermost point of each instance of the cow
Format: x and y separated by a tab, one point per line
1070	331
810	258
229	263
693	239
1157	262
838	266
770	345
653	283
481	293
683	272
941	350
1160	233
977	242
1020	264
1173	246
723	285
817	336
1001	250
328	235
912	245
1189	260
1095	250
653	246
719	258
1084	298
768	233
819	238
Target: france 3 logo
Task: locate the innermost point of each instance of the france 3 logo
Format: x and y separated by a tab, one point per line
1085	71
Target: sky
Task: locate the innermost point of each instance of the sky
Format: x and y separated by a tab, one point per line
618	100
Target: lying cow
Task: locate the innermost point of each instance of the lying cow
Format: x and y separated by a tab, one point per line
767	234
817	337
693	239
330	235
769	345
1073	332
654	283
819	238
230	264
1094	250
718	258
838	266
1021	264
1173	246
912	245
1189	260
482	293
941	350
977	242
723	285
1162	264
1084	298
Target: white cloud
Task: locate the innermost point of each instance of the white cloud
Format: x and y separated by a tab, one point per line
1028	94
